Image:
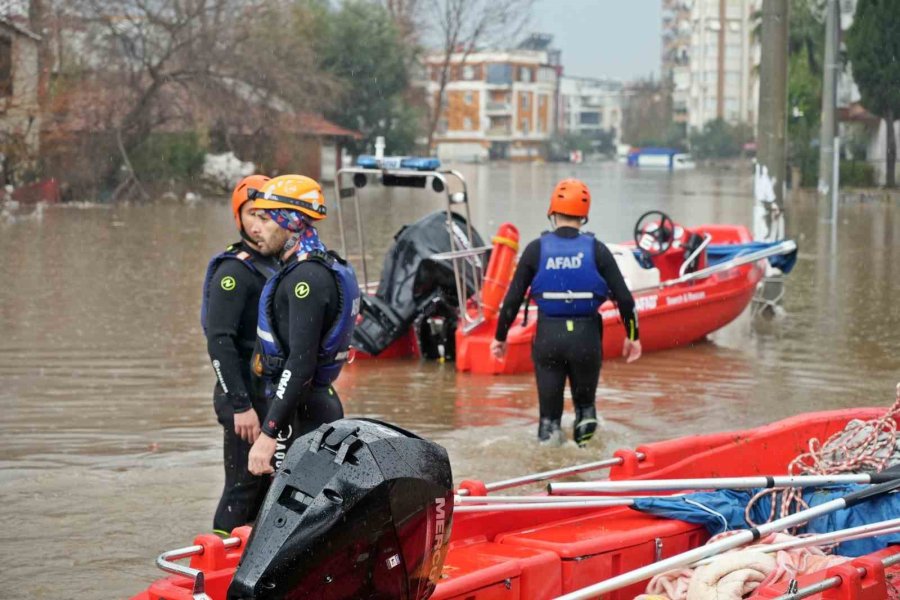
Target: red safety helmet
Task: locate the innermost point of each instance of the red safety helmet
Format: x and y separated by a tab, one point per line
241	194
570	197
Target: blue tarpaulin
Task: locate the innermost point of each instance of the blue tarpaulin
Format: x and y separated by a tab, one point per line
723	510
717	253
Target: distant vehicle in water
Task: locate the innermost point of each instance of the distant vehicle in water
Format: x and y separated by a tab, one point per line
659	158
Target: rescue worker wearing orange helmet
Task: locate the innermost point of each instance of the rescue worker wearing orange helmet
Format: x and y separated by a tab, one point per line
307	313
234	281
570	274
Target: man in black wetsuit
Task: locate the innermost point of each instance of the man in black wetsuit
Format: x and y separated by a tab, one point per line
234	281
306	317
570	274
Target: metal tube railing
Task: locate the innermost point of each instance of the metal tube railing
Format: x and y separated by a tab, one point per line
164	562
833	582
782	248
553	474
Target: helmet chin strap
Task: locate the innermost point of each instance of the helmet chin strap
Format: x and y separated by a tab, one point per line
554	225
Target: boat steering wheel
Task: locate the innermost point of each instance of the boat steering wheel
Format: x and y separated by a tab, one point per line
654	232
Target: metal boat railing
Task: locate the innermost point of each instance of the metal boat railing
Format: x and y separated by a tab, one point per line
165	562
742	259
466	262
833	582
707	238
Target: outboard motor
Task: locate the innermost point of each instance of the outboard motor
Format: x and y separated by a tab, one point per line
413	285
360	509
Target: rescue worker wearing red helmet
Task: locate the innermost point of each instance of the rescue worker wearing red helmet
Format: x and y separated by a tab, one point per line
234	281
307	313
570	274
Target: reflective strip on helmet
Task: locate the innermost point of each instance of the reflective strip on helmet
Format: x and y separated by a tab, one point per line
316	207
264	335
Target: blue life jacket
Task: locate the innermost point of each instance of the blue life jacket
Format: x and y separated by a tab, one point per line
334	348
233	252
567	283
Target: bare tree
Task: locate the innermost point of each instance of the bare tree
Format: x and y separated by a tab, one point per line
169	60
461	27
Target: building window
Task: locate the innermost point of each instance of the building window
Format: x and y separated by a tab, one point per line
442	126
524	126
468	72
499	74
589	118
525	74
467	124
469	98
524	100
6	80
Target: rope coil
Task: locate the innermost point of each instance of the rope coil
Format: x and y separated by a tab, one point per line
862	446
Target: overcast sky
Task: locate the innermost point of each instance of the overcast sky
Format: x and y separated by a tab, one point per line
603	38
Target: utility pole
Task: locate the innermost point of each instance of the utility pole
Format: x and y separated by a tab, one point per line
772	127
827	176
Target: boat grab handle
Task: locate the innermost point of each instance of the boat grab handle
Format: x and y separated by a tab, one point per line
164	562
707	238
832	582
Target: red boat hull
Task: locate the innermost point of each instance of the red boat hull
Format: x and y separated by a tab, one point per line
668	317
535	555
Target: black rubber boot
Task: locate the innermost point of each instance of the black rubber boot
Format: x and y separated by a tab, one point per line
550	432
585	424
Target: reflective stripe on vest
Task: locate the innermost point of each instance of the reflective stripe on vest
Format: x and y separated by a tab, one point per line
567	283
334	348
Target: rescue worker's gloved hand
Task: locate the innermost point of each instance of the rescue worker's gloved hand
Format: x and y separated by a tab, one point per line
498	349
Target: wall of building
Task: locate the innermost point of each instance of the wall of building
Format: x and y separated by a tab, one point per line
497	103
722	59
590	105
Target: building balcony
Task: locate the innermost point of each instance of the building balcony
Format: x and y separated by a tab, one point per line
498	107
499	131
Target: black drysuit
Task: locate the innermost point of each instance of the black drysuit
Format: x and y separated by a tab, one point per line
567	348
233	303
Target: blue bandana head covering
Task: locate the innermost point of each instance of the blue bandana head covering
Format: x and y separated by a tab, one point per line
305	238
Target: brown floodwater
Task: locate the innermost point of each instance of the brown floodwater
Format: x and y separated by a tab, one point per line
109	450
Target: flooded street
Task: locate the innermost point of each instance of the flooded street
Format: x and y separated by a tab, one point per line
109	448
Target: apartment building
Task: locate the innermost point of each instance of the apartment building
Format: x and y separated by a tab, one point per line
589	105
496	104
722	56
676	51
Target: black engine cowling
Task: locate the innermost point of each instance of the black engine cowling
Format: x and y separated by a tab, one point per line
359	509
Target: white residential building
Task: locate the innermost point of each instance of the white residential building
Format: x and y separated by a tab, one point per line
589	105
723	83
676	52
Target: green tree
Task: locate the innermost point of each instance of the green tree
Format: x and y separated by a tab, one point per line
804	116
365	50
719	139
873	46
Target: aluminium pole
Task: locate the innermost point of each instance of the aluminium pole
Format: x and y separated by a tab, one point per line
829	99
773	94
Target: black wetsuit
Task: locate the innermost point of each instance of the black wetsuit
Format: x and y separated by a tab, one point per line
567	348
306	305
230	336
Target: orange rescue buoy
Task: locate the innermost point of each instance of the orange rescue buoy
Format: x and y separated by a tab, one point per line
500	269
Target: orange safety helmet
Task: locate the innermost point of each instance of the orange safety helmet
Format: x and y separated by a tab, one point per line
241	194
292	192
571	197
